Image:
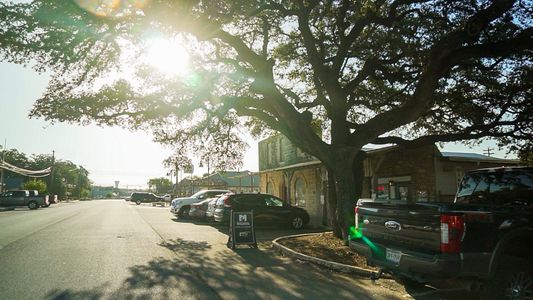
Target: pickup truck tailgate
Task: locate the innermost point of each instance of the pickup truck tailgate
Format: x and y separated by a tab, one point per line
400	225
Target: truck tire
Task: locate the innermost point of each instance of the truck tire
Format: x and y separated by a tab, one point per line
33	205
138	202
513	279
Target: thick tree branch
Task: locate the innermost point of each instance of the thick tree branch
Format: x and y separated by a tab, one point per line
437	66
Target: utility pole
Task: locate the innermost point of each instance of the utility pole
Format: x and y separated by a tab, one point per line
1	168
52	173
488	151
176	186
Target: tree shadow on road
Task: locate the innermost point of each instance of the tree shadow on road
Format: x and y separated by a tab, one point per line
254	273
202	271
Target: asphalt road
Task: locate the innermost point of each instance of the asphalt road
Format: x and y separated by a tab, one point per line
112	249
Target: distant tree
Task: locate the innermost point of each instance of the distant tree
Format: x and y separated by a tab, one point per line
160	185
68	178
526	155
407	72
38	185
16	158
178	161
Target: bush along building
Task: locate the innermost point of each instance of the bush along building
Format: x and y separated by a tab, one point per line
422	174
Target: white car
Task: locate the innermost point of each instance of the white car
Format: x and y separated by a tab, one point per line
181	206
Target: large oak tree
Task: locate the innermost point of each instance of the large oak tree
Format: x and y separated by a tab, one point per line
407	72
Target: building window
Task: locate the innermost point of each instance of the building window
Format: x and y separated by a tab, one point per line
299	195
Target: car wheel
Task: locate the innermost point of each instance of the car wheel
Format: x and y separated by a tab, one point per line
138	202
184	212
513	279
33	205
297	222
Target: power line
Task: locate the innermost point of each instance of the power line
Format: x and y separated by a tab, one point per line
488	151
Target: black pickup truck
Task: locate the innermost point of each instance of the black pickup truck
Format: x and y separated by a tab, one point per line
484	238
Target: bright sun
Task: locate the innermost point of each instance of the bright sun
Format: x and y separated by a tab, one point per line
168	57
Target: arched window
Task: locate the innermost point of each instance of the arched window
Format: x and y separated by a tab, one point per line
299	192
270	188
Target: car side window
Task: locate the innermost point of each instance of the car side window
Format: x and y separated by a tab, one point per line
272	201
250	200
512	188
473	189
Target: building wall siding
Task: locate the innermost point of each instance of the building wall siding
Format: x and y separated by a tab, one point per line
311	176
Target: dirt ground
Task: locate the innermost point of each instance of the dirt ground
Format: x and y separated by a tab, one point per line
326	246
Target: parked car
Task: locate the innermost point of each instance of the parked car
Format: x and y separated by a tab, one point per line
484	238
210	212
35	193
268	210
28	198
167	197
181	206
198	209
142	197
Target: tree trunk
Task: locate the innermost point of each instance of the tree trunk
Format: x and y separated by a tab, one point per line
332	205
348	182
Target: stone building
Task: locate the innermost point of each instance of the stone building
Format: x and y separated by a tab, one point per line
421	174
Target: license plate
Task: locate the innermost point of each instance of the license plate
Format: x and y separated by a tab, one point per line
393	255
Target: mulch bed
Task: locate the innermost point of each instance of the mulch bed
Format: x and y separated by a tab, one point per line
326	246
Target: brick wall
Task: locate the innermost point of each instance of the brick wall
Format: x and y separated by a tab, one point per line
398	164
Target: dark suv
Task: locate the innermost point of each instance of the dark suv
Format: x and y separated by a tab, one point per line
268	210
140	197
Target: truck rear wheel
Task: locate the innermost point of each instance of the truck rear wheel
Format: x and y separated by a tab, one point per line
33	205
513	279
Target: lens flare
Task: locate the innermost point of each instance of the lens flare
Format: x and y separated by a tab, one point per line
168	56
357	233
111	8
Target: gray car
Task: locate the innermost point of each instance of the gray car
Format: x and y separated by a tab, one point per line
23	198
210	212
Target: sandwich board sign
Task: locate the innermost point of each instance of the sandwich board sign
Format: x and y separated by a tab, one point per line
241	229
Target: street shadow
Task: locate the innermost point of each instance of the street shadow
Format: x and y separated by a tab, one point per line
199	271
247	273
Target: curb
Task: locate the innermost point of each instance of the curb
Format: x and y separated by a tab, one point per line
318	261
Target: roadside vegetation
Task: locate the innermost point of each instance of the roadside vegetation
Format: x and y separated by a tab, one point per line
67	179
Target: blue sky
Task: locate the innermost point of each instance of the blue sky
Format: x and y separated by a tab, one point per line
109	153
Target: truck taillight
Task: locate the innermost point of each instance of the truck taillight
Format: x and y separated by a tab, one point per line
452	228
